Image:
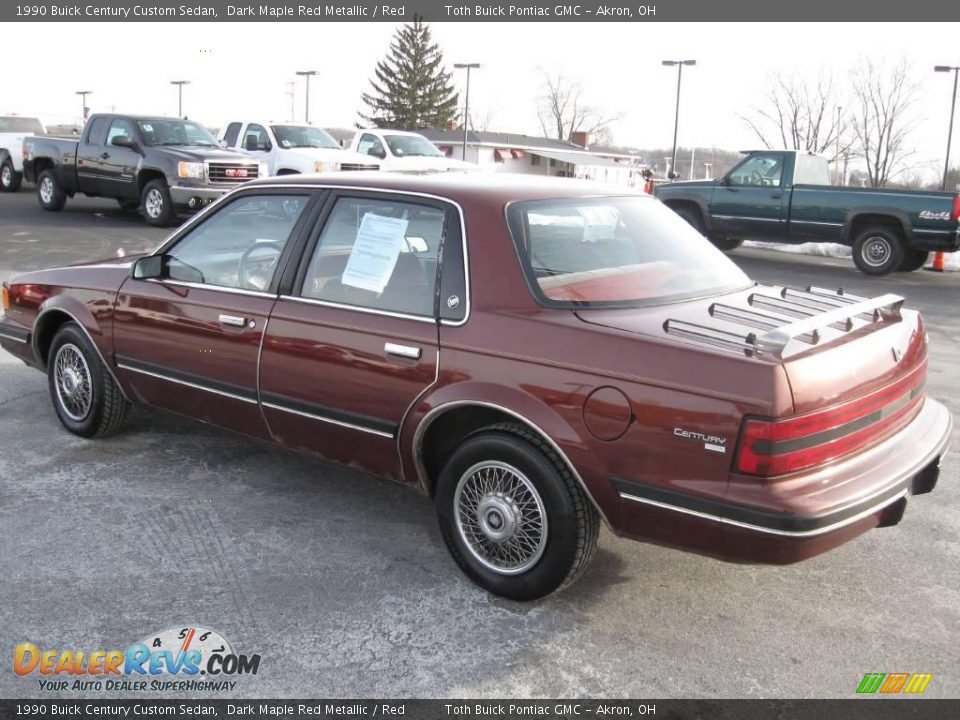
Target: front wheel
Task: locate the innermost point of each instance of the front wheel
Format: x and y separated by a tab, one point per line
878	250
10	179
156	203
512	514
49	193
85	396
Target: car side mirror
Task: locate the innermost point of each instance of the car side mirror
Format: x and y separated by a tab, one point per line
377	152
725	180
123	141
150	267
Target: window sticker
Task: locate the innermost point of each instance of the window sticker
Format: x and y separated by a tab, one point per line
375	252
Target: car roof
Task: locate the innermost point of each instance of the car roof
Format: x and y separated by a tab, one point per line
459	186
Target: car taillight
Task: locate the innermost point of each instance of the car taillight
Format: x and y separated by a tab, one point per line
778	447
955	213
6	298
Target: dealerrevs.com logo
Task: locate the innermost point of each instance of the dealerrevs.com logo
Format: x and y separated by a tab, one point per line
182	658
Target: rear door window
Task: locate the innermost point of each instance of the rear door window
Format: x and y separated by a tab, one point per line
98	131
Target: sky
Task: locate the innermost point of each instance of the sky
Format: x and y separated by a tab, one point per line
241	70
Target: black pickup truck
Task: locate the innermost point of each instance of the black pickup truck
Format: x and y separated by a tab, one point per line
786	197
160	165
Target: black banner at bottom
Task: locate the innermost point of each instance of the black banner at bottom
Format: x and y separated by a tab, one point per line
874	708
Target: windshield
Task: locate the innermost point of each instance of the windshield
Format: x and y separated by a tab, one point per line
21	124
615	251
167	131
297	136
412	145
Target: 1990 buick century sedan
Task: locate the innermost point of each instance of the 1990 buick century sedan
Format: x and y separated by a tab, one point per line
537	356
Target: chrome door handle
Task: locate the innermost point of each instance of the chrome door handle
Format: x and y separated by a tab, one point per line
233	320
402	351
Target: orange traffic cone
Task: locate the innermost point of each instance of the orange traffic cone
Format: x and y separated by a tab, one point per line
938	262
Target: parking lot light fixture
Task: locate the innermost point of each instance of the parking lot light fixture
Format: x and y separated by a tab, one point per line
953	106
180	84
676	120
466	102
83	102
307	74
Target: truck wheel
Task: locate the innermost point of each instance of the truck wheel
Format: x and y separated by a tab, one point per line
49	193
84	394
913	260
878	250
512	514
725	243
10	179
156	203
691	217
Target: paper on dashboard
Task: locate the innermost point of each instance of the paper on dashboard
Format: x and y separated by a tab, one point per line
375	252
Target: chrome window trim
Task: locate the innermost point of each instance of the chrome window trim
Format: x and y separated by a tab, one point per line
36	348
325	419
431	416
195	386
173	238
359	308
215	288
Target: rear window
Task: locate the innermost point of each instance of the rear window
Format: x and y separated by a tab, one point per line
615	252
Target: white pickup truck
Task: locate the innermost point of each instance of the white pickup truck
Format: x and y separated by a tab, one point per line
13	129
404	151
292	148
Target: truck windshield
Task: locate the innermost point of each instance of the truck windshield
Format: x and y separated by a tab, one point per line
297	136
168	131
615	252
21	124
412	145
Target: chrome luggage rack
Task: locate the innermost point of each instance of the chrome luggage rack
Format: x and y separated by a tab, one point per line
812	310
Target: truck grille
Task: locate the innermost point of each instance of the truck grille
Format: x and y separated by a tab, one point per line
357	166
223	173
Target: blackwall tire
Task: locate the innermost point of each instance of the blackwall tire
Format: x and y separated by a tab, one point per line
10	179
913	260
85	396
49	193
513	515
156	203
878	250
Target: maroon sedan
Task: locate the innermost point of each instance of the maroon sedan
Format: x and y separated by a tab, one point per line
537	356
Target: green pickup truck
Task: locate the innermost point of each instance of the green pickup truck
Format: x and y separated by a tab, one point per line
786	197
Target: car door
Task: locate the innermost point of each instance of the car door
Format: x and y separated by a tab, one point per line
89	162
188	340
256	141
355	341
748	203
118	165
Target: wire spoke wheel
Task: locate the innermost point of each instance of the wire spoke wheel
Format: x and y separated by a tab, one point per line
73	382
500	517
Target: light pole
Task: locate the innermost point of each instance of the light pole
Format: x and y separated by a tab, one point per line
676	119
180	84
953	105
836	172
466	102
292	93
307	74
83	102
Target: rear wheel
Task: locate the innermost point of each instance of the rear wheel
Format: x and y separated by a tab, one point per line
10	179
49	193
156	203
878	250
85	396
913	260
512	514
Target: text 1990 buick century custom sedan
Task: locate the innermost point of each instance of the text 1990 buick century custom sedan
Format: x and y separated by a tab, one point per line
537	356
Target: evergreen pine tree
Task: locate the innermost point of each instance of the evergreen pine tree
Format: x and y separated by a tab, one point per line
411	89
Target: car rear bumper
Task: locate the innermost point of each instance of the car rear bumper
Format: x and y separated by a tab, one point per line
794	519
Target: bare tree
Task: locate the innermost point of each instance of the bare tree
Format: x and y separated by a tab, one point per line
562	110
798	115
882	119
